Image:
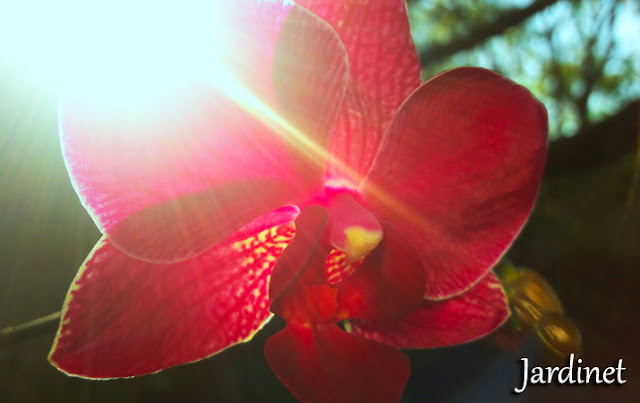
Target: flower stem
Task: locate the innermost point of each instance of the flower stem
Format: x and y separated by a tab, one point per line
17	333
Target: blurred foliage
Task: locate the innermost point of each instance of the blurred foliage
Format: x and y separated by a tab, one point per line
580	58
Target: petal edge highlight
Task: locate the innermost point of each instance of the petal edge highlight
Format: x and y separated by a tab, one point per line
124	317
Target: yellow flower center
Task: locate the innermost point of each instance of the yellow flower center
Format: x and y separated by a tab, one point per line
360	241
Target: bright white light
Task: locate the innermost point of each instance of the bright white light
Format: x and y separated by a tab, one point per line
112	46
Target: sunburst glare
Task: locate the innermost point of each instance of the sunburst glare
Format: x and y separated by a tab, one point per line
118	48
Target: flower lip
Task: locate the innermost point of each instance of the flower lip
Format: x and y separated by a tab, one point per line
315	359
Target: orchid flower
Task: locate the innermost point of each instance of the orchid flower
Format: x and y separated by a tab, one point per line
392	198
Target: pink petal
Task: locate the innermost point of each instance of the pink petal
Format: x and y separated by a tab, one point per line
460	319
329	365
383	70
458	173
124	317
193	163
388	284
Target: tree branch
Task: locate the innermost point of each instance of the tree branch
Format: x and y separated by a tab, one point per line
15	334
601	143
481	33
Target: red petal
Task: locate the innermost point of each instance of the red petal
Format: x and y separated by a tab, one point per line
124	317
464	318
302	253
193	164
383	70
458	173
388	284
330	365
